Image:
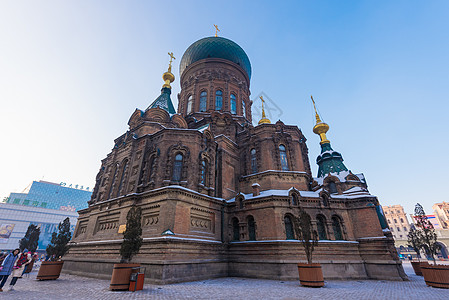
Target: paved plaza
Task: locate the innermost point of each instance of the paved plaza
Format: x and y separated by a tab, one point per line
76	287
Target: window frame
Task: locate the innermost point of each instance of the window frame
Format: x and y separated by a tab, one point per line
203	101
233	103
219	99
177	167
283	157
189	104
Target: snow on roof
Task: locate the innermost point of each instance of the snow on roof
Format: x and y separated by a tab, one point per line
361	177
226	137
277	171
352	193
202	128
352	196
262	194
341	176
355	189
309	194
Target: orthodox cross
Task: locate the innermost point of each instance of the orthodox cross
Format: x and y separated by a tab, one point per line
171	59
263	111
318	120
216	30
313	101
263	100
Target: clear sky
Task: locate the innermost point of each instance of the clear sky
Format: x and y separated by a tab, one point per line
73	72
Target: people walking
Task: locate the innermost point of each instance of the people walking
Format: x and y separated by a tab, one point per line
7	267
19	266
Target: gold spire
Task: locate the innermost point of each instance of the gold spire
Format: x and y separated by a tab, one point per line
264	119
216	30
168	76
320	128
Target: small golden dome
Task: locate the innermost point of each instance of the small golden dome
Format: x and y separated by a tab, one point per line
320	128
264	119
168	77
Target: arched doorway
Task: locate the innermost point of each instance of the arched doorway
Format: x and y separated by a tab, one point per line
443	250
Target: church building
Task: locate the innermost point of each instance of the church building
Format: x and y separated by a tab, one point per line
218	194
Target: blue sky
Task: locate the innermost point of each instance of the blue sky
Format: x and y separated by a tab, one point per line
72	73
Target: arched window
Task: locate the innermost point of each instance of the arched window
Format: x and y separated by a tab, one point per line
395	220
332	187
283	157
203	101
122	178
177	167
321	226
189	104
289	228
233	104
218	100
241	203
142	172
243	108
235	230
336	226
294	199
251	228
402	220
151	166
253	161
113	181
203	172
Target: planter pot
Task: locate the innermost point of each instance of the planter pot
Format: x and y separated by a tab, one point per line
50	270
120	276
311	275
417	267
436	276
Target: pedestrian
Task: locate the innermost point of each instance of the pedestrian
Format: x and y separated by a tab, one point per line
19	266
7	265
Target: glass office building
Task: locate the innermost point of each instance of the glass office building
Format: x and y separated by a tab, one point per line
45	205
52	195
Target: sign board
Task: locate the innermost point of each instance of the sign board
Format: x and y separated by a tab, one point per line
122	228
5	232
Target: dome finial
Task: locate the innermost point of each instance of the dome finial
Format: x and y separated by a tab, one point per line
320	128
168	76
264	119
216	30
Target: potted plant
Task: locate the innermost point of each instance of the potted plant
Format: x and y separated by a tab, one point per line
132	241
51	269
414	238
310	274
31	239
434	275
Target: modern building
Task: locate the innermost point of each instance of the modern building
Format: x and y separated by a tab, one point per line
397	221
46	205
395	216
432	219
441	211
52	195
219	195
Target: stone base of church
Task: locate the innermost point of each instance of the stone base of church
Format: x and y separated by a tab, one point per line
171	259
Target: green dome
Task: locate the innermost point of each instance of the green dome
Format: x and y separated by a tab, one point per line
215	47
